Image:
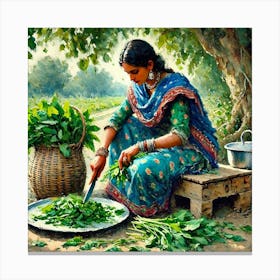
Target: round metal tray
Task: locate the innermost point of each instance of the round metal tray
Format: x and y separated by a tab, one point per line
34	209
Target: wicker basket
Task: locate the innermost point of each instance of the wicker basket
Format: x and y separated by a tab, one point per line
51	174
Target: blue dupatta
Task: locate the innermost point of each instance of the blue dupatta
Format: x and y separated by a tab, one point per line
150	111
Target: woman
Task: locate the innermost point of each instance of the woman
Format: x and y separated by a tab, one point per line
163	117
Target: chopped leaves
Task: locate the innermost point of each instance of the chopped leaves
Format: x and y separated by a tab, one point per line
72	212
39	243
75	241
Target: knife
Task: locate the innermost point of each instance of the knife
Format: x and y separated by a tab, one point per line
89	191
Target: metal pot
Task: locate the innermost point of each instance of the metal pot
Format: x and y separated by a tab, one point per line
239	154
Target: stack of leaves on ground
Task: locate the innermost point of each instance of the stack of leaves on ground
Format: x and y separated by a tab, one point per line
181	232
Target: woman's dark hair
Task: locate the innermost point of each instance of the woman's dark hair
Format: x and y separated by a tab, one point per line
138	52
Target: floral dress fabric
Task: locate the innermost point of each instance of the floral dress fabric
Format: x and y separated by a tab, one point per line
152	177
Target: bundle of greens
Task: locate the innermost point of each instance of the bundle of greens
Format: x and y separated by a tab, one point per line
72	212
180	232
121	175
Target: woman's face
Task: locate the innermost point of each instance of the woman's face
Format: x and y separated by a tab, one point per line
137	74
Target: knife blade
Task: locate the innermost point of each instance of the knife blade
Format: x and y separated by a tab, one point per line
89	191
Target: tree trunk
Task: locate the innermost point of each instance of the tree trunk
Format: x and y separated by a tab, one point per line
234	61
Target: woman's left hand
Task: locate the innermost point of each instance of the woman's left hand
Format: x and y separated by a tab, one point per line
127	154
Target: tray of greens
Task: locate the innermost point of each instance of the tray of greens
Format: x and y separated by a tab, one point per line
70	214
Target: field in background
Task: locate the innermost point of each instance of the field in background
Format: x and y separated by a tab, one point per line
95	104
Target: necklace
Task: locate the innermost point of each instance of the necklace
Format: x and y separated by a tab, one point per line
157	79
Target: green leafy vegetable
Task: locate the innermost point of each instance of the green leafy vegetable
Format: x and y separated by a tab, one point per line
75	241
114	249
229	225
94	244
180	232
103	243
246	228
39	243
234	237
121	175
72	212
119	212
54	124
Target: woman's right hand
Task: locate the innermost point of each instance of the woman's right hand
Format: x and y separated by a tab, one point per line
97	166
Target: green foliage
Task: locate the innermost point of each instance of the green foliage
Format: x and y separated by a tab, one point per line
75	241
93	83
214	35
88	245
47	77
219	111
176	232
114	245
31	41
246	228
54	124
93	105
87	44
96	104
51	75
182	45
180	231
39	243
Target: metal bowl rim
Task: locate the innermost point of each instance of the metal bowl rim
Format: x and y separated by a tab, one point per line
237	146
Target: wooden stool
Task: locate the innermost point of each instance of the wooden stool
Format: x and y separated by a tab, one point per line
203	189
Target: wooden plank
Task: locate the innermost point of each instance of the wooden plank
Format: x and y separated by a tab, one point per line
218	189
201	208
190	190
242	184
243	201
224	172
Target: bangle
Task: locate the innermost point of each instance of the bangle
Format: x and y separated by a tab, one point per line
102	151
151	145
141	146
146	145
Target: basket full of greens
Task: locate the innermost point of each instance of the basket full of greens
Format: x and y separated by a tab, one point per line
58	132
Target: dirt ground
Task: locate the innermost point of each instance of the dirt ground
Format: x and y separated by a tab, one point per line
54	241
